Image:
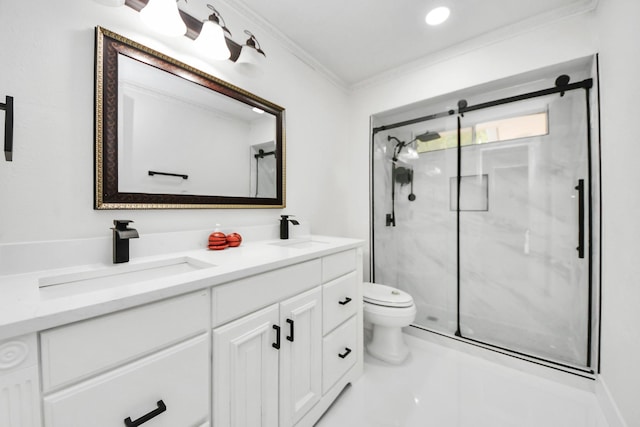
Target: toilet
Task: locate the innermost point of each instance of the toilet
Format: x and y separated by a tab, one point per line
387	310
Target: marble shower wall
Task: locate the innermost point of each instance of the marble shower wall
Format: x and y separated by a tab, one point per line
522	284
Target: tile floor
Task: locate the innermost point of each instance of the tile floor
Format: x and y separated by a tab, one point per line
442	387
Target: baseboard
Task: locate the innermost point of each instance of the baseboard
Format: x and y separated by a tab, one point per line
608	405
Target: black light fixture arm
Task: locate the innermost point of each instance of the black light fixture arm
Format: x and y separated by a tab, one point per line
8	128
253	42
217	18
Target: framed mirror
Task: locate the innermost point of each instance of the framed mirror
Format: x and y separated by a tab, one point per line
170	136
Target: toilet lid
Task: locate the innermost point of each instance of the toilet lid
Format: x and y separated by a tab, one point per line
387	296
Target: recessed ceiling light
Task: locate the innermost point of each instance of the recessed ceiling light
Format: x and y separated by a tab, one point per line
257	110
438	15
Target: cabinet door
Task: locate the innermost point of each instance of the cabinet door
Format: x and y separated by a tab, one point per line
300	358
245	371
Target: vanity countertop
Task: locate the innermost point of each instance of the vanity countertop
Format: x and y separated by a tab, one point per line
26	308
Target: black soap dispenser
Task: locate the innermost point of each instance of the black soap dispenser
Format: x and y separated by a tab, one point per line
284	225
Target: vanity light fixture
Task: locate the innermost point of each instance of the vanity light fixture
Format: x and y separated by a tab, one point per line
251	56
212	40
438	15
163	17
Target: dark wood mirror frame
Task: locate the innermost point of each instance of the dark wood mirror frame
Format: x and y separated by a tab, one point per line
108	46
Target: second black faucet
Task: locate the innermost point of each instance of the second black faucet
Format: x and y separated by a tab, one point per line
284	225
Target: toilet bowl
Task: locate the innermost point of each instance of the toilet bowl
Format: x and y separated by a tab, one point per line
388	310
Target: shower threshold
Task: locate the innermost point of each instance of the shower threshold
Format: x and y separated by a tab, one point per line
562	372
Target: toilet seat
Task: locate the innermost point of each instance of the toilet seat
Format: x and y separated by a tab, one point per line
385	296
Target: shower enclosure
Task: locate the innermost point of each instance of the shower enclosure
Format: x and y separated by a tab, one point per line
489	223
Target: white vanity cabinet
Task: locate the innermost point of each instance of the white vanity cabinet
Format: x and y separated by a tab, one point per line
150	362
269	343
284	362
19	382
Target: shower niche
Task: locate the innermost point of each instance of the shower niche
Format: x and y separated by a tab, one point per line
494	231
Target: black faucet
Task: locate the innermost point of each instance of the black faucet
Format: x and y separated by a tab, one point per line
121	235
284	225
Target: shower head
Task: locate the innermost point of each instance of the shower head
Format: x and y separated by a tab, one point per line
427	136
424	137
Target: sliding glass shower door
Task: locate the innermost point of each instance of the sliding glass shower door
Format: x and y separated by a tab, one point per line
483	214
523	239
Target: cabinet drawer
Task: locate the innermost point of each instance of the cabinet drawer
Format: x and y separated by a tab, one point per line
338	264
235	299
339	301
178	376
75	351
339	353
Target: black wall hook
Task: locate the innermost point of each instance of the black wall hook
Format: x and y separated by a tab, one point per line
8	128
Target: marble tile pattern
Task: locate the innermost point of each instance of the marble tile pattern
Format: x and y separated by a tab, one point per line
441	387
522	285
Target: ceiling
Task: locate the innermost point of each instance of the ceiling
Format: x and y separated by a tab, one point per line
355	40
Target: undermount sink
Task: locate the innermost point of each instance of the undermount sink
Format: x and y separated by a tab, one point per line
118	275
299	243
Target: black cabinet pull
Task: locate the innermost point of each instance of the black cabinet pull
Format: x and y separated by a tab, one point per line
346	301
580	188
276	344
290	336
161	408
347	350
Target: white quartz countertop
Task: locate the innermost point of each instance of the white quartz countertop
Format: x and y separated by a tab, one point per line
26	308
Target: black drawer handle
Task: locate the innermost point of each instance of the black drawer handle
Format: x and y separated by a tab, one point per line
290	336
346	301
347	350
276	344
161	408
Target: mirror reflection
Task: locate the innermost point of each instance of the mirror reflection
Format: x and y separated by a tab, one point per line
177	137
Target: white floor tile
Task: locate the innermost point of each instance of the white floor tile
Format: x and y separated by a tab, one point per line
442	387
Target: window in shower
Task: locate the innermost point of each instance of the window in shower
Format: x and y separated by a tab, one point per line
512	128
503	129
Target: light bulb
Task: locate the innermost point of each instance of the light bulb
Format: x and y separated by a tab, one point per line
212	42
163	17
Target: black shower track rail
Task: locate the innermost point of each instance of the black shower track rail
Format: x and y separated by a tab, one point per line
463	108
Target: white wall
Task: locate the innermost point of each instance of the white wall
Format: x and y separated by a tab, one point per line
46	193
546	45
620	110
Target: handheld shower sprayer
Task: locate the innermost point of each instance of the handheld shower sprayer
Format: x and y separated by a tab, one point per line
424	137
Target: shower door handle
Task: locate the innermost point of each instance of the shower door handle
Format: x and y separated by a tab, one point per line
580	188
